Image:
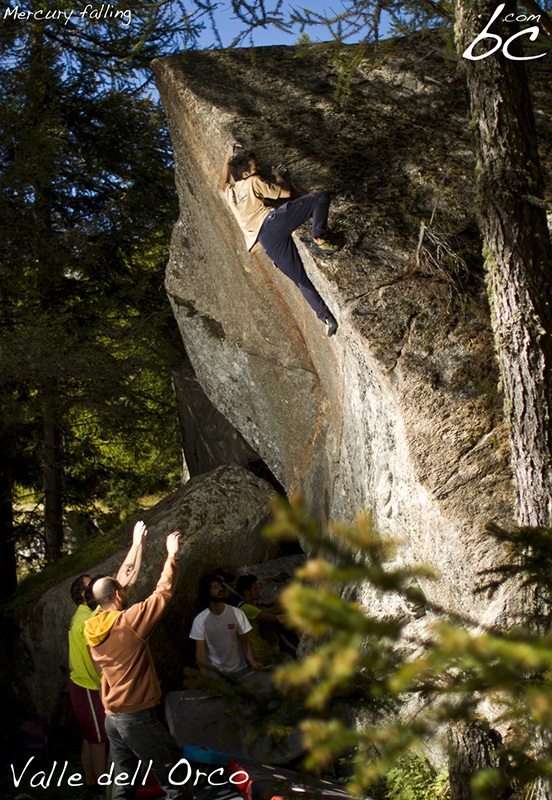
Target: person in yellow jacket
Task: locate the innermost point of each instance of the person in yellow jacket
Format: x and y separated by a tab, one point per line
84	679
247	587
118	638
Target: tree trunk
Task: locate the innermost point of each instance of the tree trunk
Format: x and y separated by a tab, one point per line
517	249
52	470
518	257
42	104
473	747
8	574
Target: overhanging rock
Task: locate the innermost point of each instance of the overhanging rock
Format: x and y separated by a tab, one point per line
399	412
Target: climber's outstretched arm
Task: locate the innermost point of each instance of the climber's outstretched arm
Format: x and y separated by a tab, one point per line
225	174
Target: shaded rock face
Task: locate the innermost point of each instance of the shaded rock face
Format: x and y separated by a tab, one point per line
273	576
220	515
400	411
208	439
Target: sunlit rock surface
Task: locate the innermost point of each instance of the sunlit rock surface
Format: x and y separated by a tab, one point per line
399	412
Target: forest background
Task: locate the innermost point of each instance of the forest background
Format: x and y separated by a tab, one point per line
88	426
88	429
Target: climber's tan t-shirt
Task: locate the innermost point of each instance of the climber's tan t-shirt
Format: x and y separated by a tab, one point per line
246	201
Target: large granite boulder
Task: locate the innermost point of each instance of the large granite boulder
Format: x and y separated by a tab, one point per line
400	412
208	439
220	516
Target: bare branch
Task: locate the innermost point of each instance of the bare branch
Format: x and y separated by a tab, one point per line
545	20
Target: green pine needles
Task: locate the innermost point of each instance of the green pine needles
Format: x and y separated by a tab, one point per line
390	674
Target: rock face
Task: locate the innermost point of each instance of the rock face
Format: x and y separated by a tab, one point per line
400	411
273	576
208	439
220	516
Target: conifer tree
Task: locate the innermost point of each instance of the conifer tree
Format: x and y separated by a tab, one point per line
87	203
375	687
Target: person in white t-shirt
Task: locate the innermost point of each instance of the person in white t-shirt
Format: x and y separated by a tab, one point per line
220	633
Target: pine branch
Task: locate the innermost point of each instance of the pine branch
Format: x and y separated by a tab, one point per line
436	8
545	20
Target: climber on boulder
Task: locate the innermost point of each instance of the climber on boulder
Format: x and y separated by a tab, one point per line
272	227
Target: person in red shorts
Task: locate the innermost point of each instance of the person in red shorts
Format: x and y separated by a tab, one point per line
84	679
